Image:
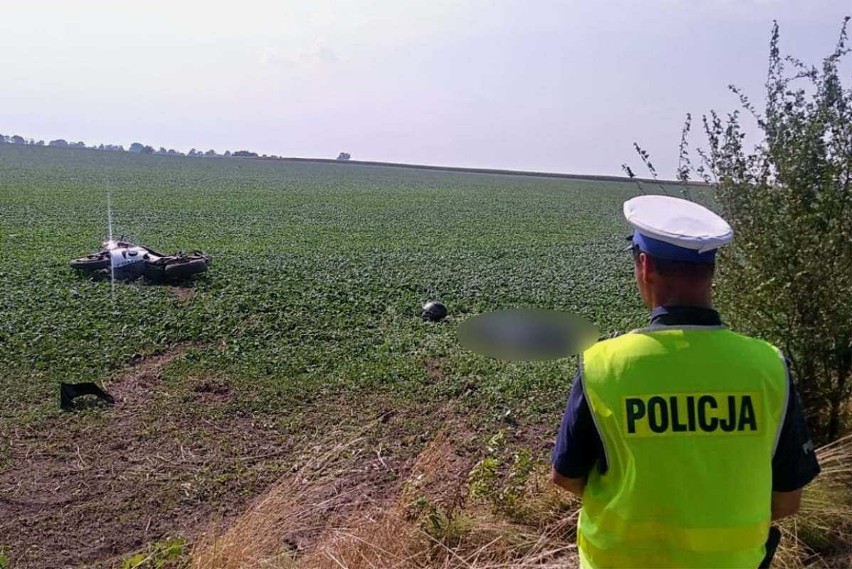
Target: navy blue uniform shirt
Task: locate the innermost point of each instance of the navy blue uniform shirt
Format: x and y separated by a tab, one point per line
579	448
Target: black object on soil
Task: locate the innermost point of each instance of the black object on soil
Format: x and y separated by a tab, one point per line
69	391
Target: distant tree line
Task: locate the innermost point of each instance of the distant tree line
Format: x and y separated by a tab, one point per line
139	148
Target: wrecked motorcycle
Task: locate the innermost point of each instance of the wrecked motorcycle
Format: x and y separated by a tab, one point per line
125	261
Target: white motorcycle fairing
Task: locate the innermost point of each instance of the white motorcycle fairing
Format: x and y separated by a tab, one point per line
128	262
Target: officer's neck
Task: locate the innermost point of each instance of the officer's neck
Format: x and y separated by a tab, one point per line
700	297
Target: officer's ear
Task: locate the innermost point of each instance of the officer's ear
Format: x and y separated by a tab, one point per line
644	268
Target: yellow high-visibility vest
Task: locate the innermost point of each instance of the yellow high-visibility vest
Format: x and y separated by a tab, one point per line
689	418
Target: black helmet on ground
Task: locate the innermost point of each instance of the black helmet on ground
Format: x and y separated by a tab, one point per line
434	311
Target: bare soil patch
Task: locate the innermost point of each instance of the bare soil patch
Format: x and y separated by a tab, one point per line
434	369
212	391
86	488
182	293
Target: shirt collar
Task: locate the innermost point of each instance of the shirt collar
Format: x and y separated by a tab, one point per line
673	315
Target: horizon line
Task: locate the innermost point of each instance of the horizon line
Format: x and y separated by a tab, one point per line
407	165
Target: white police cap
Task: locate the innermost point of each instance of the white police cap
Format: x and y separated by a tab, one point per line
676	229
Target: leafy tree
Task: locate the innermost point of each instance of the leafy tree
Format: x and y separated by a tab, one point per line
787	277
227	154
136	147
15	139
245	153
344	156
210	153
60	142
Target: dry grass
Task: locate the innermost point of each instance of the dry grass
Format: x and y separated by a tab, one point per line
276	526
821	534
303	523
396	542
432	525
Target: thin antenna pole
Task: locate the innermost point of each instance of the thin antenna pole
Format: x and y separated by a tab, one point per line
109	216
109	251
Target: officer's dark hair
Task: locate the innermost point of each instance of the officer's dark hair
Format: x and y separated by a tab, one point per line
674	269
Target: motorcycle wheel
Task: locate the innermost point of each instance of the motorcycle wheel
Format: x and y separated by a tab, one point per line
90	263
177	271
155	273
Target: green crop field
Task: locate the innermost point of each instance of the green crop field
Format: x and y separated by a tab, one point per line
306	325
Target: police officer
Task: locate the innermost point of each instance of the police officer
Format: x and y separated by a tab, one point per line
684	439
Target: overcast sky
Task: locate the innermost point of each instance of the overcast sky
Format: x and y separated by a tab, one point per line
554	86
